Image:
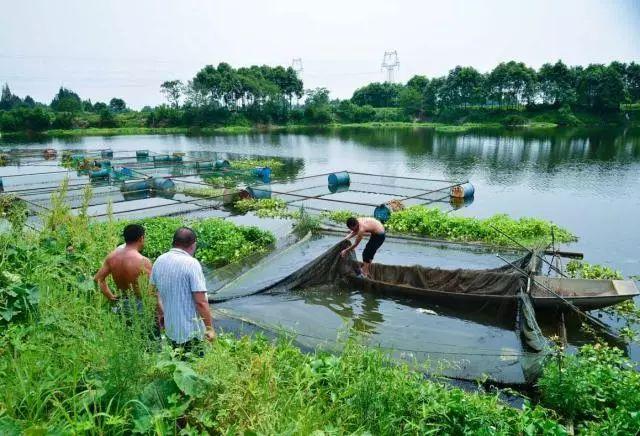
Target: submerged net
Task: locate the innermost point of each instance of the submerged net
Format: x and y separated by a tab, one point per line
483	318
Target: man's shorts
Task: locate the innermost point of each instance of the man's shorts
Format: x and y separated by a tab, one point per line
375	241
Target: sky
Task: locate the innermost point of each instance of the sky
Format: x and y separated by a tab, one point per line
127	48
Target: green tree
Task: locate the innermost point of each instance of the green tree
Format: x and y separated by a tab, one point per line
511	84
632	81
87	106
117	105
601	88
172	90
107	119
378	94
431	95
557	84
66	101
7	99
411	102
463	87
316	108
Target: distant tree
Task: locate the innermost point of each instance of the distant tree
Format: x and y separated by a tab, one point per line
317	109
378	94
66	101
431	95
511	84
63	120
87	106
117	105
99	106
632	81
601	88
463	87
411	102
172	90
106	118
8	100
418	83
557	84
29	102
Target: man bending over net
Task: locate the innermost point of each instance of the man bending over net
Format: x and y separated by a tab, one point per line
359	228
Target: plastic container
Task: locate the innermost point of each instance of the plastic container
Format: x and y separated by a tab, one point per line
264	173
161	158
142	153
99	174
177	157
382	213
162	184
222	163
102	163
334	189
339	179
465	190
136	186
259	193
123	173
106	153
1	185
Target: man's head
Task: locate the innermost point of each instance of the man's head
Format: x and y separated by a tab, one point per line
134	235
352	223
185	239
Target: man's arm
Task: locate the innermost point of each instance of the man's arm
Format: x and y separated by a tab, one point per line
202	307
199	292
352	246
101	277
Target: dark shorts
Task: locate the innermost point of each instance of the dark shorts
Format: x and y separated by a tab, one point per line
375	241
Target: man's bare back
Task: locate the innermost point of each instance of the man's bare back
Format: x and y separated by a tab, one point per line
370	225
125	265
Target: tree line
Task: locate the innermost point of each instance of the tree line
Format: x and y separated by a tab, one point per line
223	95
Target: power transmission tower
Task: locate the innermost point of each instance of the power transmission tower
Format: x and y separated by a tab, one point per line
391	63
296	64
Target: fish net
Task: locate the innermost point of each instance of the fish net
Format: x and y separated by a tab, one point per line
468	324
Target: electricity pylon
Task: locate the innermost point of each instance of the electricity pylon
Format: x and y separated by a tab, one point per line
391	63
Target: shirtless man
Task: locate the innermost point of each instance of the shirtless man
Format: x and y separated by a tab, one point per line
359	227
125	264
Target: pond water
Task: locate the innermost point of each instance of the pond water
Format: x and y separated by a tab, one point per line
587	180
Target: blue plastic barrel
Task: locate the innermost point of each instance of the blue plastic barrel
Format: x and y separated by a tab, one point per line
334	189
465	190
164	185
102	163
99	174
222	163
176	157
382	213
136	186
142	153
1	185
263	173
259	193
341	178
106	153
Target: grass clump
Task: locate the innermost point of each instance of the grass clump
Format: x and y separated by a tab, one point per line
266	208
201	191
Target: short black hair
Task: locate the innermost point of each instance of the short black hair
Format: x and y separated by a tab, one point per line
352	222
133	233
184	237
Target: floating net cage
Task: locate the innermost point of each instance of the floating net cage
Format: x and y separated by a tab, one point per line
140	184
307	289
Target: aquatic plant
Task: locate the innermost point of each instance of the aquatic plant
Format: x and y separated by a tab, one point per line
14	210
434	223
584	270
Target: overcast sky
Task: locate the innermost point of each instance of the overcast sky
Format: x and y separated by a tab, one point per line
127	48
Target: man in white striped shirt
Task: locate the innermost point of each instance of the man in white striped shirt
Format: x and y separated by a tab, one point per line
182	293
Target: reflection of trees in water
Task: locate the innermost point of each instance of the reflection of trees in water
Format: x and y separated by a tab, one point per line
506	151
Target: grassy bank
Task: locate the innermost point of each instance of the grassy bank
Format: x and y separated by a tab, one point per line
69	365
437	126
